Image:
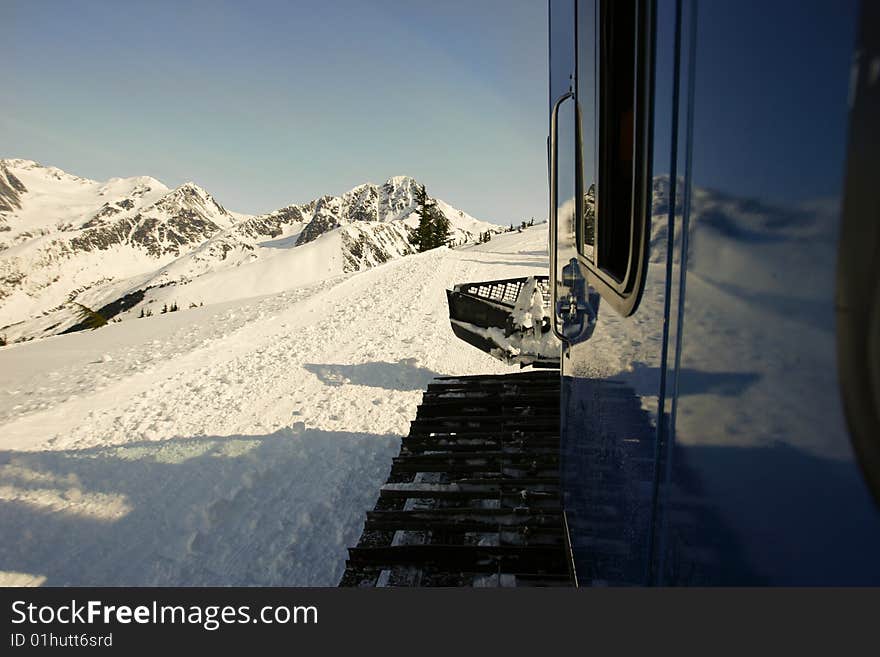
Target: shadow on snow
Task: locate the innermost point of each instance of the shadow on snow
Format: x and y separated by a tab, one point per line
275	509
405	374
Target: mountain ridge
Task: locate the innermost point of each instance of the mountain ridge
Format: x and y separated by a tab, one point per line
66	238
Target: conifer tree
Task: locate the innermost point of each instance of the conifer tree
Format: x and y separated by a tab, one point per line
439	228
421	236
433	228
89	317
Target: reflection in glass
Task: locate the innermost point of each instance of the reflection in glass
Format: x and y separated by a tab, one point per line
587	19
574	316
617	115
562	48
588	233
566	190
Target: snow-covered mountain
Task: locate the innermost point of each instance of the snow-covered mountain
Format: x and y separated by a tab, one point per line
63	234
120	245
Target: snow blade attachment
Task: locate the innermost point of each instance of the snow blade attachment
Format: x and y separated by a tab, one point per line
507	318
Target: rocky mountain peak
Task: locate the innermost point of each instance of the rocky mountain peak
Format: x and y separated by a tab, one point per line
63	237
395	182
11	189
393	200
18	163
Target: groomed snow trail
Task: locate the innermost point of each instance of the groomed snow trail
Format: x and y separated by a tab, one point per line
234	444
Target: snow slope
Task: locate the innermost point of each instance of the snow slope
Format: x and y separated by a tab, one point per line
239	443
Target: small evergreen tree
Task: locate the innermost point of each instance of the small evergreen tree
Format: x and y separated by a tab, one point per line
439	228
433	228
89	317
164	308
421	236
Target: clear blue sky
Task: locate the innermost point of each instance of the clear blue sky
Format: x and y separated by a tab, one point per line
270	103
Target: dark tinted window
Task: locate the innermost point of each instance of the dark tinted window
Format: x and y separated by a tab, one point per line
614	77
616	120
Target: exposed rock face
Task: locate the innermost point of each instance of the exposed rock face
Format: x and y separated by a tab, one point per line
272	224
327	215
368	246
10	190
388	202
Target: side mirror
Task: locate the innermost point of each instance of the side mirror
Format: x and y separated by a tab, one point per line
580	309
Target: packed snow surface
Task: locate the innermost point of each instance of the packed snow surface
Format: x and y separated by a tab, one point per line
238	443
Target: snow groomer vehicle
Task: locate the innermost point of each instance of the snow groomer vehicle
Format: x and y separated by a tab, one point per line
713	306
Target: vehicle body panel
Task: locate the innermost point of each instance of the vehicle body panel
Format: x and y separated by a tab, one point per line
730	462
